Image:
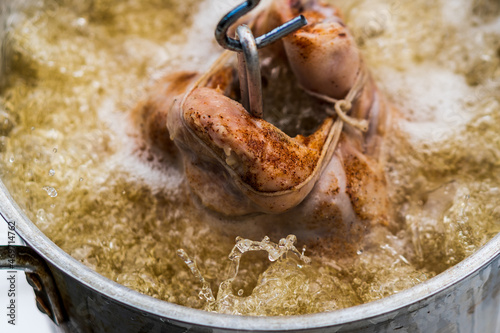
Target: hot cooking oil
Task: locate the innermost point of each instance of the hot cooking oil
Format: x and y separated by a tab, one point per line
74	70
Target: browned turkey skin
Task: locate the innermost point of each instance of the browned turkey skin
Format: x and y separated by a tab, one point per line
325	186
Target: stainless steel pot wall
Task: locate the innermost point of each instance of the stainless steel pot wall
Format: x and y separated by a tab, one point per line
465	298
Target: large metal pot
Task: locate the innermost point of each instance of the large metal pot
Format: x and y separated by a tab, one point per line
465	298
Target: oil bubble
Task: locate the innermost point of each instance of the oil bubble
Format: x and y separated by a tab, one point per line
50	191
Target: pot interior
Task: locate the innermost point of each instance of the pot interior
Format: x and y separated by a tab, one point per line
71	74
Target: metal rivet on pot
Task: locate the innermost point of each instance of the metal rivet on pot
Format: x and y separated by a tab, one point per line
34	282
40	304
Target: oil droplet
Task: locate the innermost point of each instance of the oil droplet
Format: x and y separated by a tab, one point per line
206	291
81	179
50	191
54	150
81	22
52	172
11	160
41	216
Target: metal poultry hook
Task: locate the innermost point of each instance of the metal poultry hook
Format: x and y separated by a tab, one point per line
234	15
248	57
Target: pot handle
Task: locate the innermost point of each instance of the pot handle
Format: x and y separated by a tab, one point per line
38	275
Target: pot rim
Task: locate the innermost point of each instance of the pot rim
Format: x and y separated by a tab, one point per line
378	311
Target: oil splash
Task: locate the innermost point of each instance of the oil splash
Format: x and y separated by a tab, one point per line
275	252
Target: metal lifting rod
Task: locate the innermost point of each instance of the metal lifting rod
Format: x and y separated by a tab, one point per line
247	47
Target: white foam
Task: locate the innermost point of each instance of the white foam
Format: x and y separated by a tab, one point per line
197	48
456	12
126	158
431	100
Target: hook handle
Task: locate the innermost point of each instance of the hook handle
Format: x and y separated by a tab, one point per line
281	31
234	15
228	20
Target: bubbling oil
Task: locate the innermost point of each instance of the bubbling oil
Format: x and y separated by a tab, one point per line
68	155
229	302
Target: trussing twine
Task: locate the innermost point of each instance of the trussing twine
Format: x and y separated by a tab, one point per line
342	106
